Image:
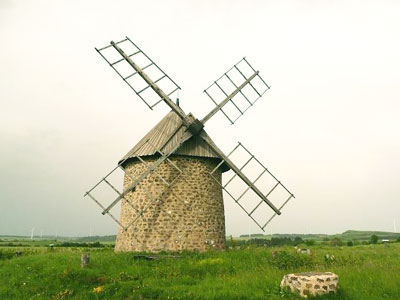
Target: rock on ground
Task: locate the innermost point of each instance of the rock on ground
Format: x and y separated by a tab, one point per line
311	283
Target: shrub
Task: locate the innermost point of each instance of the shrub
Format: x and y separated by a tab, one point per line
309	242
275	241
75	244
6	254
285	260
298	240
350	243
374	239
336	242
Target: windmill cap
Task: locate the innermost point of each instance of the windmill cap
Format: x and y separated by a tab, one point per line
164	136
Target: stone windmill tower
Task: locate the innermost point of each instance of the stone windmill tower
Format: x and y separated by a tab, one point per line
172	194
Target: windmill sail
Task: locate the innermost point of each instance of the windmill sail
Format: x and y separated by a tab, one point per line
118	55
151	169
242	77
245	183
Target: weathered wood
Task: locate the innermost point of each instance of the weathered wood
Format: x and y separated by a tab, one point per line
219	106
153	85
164	136
235	169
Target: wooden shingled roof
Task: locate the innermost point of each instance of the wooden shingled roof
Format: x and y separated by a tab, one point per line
166	134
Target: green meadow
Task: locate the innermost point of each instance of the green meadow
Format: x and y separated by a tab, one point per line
244	272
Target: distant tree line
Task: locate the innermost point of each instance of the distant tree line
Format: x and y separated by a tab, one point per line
82	244
253	235
275	241
10	244
288	241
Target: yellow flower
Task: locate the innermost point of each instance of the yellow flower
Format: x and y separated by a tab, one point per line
98	290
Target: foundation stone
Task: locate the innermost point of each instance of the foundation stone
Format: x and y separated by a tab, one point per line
311	283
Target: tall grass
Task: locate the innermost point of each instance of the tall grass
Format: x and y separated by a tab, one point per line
365	272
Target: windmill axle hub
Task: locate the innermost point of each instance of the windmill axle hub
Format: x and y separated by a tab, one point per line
195	127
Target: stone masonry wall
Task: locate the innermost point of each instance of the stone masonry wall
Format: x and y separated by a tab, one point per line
311	283
189	215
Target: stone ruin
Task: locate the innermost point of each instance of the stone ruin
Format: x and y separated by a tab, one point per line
311	283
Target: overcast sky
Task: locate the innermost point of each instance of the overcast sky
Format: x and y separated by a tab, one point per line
328	128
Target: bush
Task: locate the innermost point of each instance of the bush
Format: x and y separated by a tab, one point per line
75	244
374	239
336	242
284	241
309	242
6	254
285	260
298	240
350	243
273	242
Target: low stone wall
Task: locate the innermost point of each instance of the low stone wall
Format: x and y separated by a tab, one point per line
189	215
311	283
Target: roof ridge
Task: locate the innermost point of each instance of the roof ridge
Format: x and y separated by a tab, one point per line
164	135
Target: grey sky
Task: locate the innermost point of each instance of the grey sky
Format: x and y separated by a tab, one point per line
329	128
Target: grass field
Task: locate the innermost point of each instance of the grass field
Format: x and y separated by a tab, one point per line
365	272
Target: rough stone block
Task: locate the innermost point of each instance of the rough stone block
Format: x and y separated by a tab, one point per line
85	258
311	283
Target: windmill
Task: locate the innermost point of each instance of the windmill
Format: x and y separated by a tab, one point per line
172	194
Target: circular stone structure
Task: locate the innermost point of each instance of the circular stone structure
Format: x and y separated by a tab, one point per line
188	215
179	205
311	283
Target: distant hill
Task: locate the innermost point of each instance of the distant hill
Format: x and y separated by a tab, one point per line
85	239
365	235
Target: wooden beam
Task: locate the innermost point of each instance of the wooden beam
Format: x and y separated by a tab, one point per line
153	85
187	135
235	169
219	106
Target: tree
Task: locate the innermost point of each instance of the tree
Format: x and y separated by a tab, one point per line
374	239
310	242
336	242
299	240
